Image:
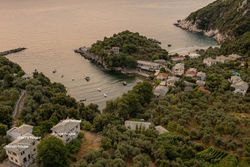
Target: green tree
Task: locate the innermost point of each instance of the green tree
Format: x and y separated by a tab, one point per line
52	153
3	129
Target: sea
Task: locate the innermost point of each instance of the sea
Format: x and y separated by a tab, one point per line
52	29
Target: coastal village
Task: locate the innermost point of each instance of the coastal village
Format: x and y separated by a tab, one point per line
165	77
22	150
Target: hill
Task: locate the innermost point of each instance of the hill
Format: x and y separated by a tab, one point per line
222	19
132	46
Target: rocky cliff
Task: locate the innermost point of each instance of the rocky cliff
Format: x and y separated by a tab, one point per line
222	19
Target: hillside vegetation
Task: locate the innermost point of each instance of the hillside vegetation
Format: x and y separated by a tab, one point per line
132	46
230	17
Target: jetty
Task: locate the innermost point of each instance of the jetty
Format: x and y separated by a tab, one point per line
11	51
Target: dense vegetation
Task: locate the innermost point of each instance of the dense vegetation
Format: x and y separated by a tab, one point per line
132	46
230	17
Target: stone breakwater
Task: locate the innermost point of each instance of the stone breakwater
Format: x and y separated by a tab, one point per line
192	27
11	51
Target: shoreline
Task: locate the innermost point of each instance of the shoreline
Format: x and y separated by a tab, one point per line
98	61
192	27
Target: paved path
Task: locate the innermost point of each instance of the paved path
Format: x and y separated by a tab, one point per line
19	104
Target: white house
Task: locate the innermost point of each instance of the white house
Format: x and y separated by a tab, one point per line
209	61
66	130
194	55
133	125
148	66
240	87
178	69
177	58
15	132
22	151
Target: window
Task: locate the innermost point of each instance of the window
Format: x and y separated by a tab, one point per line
14	154
16	161
34	149
11	158
33	143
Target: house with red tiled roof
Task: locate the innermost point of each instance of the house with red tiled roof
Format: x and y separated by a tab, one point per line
190	74
202	89
162	76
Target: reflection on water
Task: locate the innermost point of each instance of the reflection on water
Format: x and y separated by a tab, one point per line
51	30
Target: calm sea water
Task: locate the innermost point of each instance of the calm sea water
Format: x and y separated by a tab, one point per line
52	29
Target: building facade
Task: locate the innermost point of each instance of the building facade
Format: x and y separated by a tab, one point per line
66	130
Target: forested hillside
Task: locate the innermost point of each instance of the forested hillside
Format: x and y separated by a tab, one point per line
132	46
230	17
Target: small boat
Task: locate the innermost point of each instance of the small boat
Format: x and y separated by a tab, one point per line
124	83
73	79
169	45
54	71
99	89
83	100
62	76
87	78
105	95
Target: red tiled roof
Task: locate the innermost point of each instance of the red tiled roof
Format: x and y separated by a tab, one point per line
191	73
162	74
204	90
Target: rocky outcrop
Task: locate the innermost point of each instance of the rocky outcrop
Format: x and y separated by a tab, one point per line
192	27
11	51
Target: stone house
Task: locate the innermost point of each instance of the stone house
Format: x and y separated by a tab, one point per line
133	125
22	151
66	130
15	132
160	91
240	87
235	79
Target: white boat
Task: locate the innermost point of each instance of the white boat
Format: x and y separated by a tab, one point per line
54	71
99	89
105	95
